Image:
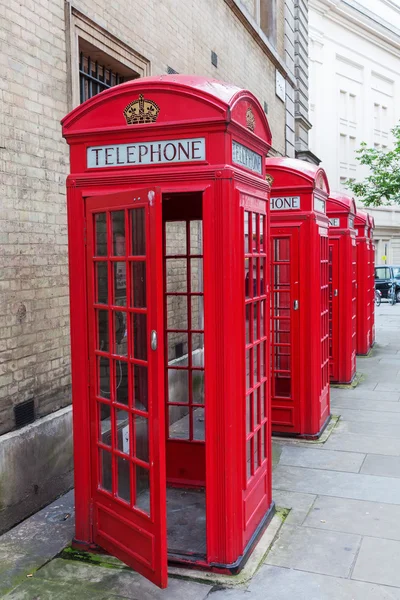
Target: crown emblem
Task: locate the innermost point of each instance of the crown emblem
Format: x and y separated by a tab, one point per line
269	179
141	111
250	119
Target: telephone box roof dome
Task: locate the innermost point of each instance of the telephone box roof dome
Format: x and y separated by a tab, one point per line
169	99
300	168
371	221
361	218
340	202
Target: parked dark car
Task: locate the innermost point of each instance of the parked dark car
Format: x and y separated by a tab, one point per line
385	275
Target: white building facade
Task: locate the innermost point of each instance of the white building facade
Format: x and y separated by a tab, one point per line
354	59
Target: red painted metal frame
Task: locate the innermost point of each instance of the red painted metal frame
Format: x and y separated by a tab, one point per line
236	510
307	410
371	227
365	282
341	209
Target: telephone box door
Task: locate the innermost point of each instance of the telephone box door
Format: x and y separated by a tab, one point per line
334	309
124	270
286	412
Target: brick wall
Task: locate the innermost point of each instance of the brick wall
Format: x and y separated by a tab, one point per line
34	328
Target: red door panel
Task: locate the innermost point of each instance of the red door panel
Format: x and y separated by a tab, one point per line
285	330
334	309
126	379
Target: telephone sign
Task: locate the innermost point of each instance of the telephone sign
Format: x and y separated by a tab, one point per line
285	203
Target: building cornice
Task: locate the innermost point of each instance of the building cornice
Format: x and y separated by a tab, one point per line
350	15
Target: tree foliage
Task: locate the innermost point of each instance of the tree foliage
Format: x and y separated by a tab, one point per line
382	185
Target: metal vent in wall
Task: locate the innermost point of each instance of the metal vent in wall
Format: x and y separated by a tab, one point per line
171	71
24	413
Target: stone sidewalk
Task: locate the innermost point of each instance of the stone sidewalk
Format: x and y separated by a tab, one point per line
340	541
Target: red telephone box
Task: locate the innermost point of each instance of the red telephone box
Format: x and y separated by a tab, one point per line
371	227
169	285
341	210
364	283
300	326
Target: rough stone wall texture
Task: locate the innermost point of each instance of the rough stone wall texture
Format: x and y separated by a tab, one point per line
34	335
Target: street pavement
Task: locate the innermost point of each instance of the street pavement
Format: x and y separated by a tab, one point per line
340	540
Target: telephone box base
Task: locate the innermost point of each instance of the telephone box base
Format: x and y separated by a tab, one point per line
303	436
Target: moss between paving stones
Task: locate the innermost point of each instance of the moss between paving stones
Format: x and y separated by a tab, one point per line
358	378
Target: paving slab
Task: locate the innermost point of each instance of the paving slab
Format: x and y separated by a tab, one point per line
373	519
326	552
389	386
51	590
369	428
367	444
378	561
125	582
350	395
334	483
314	458
375	464
367	405
299	504
35	541
276	583
365	415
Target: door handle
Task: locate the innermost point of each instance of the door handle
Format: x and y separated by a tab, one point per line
153	340
336	293
296	305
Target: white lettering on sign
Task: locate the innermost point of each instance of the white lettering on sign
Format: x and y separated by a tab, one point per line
243	156
334	222
319	205
285	203
146	153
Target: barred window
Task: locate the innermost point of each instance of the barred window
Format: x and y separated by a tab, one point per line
98	71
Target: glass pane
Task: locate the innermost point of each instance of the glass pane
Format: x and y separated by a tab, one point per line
198	389
176	275
177	312
256	330
118	232
103	365
248	413
101	234
102	283
124	479
262	277
263	359
246	232
263	332
248	311
256	446
139	284
140	336
178	386
247	369
138	232
141	400
119	283
256	357
257	413
264	447
256	276
123	431
142	437
121	382
262	249
175	237
197	312
196	274
198	424
197	349
196	237
281	249
105	423
142	489
248	278
105	470
178	422
102	331
120	333
248	459
254	232
178	349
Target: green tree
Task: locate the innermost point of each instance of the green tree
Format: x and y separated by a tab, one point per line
382	185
